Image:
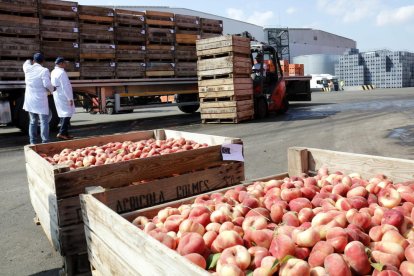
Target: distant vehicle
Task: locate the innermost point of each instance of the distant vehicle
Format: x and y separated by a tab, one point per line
318	83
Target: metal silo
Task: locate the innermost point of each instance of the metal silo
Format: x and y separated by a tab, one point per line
318	63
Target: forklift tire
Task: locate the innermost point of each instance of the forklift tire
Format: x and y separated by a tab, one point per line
110	110
260	108
285	106
22	119
187	98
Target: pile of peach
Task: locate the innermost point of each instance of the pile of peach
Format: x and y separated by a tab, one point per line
116	152
329	224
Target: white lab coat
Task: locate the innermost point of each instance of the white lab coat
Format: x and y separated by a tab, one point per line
63	94
37	79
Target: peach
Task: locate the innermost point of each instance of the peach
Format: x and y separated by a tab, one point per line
340	189
389	197
376	232
276	213
261	238
291	218
232	194
393	217
294	266
259	211
357	191
302	253
358	202
172	223
189	225
299	203
305	215
209	237
308	192
238	221
343	204
362	236
191	243
167	212
163	238
319	252
318	271
220	216
237	255
390	248
386	273
357	258
197	259
336	265
267	267
362	220
281	246
257	253
149	226
310	182
407	268
140	221
254	223
290	194
394	236
385	258
307	238
230	270
225	240
200	214
213	226
372	198
409	253
337	237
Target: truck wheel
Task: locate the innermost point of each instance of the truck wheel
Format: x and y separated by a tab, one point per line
187	98
260	108
285	106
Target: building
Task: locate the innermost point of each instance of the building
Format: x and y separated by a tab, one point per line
318	63
383	68
230	26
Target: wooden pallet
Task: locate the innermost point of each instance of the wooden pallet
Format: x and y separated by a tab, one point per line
130	52
13	47
160	52
53	9
226	106
128	18
228	117
19	7
160	19
52	29
54	190
160	35
130	69
185	69
212	25
222	45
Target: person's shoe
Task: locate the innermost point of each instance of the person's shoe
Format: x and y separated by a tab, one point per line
63	137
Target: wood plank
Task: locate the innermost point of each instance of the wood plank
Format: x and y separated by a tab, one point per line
367	165
224	62
153	211
130	198
227	93
215	110
18	7
94	10
224	50
72	239
297	161
44	203
187	38
135	247
226	104
226	87
95	18
46	12
150	73
43	168
19	19
224	71
159	14
156	22
225	81
238	114
223	41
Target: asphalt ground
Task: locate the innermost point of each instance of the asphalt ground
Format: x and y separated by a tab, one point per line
377	122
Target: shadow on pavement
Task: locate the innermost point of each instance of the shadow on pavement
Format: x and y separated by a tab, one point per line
52	272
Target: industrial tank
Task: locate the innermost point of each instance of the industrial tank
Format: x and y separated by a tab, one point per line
318	63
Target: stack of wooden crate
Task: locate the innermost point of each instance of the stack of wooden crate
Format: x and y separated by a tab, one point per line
296	69
225	86
160	44
130	44
211	28
97	42
187	30
284	64
59	34
19	36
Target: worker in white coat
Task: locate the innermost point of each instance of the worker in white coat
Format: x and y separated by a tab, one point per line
37	79
63	97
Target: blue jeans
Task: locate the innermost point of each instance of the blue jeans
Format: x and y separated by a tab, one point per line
64	125
44	127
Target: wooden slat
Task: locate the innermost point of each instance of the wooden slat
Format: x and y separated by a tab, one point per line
135	247
297	161
159	14
4	18
226	107
95	18
155	22
227	93
217	85
72	239
238	114
366	165
224	62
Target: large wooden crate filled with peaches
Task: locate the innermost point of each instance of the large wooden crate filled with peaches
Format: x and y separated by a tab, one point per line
158	165
332	213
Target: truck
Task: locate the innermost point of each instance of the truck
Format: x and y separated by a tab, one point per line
111	96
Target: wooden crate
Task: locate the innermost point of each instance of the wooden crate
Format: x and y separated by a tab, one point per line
97	69
185	53
186	69
186	22
160	52
161	19
52	29
21	7
128	69
224	66
211	25
128	18
96	32
19	26
130	52
11	70
16	47
72	67
222	107
160	69
97	51
117	247
160	35
96	14
189	39
130	35
53	49
54	190
54	9
227	117
223	45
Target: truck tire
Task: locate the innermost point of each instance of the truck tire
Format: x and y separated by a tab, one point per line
285	106
260	108
187	98
21	117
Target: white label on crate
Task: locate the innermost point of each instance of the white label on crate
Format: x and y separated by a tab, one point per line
75	9
143	65
172	18
112	64
77	65
173	64
75	45
76	30
142	31
111	29
143	48
141	18
172	48
232	152
198	36
221	25
112	46
172	31
196	21
110	14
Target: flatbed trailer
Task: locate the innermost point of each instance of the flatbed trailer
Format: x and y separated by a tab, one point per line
298	88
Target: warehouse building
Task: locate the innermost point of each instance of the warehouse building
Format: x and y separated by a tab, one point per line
383	68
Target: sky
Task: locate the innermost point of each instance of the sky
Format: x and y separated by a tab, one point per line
373	24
